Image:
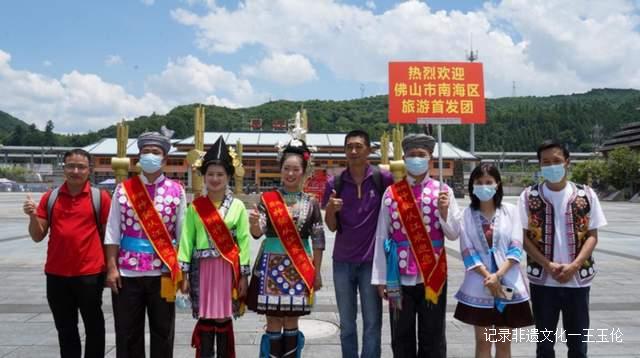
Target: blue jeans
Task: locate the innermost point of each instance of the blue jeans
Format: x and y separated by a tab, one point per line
349	278
547	303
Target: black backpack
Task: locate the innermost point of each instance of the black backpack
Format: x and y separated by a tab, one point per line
377	182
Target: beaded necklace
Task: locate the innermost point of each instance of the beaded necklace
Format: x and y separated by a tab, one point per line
298	204
291	198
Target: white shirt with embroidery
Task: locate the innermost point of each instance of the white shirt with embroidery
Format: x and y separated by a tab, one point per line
451	229
559	200
113	233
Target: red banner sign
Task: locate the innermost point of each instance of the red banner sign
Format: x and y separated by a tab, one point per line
448	91
220	235
289	237
279	125
432	268
152	224
256	123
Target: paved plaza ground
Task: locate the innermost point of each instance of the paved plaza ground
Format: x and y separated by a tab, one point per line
27	329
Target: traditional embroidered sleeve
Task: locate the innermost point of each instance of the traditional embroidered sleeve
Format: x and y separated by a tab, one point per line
180	212
514	250
451	227
112	232
379	267
243	236
317	226
188	234
470	256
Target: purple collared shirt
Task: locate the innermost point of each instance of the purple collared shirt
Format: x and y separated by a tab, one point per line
358	216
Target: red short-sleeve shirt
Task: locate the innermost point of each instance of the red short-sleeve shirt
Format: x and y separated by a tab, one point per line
75	247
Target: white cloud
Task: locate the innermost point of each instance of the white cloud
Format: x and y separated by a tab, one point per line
148	2
207	3
47	63
370	5
78	102
112	60
547	47
187	80
594	41
284	69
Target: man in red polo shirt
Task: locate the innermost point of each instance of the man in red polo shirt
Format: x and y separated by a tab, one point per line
75	258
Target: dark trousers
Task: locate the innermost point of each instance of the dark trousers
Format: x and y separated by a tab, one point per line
432	340
67	296
547	303
137	295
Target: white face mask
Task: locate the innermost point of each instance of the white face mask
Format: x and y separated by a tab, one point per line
553	173
416	165
484	192
150	162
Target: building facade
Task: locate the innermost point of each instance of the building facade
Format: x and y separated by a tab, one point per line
259	157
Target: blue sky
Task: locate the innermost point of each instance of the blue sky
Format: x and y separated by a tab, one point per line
85	64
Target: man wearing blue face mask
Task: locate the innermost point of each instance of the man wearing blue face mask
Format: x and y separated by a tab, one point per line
142	267
409	261
561	221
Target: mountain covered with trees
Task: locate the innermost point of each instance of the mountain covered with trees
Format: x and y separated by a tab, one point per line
513	123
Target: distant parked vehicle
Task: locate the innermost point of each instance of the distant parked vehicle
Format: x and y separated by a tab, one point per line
7	185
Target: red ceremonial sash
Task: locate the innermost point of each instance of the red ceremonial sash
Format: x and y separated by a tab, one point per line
432	268
152	224
289	236
220	235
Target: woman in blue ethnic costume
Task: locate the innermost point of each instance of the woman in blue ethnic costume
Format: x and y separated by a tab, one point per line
494	294
284	277
216	266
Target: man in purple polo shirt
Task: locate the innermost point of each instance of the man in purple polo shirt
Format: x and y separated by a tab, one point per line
352	202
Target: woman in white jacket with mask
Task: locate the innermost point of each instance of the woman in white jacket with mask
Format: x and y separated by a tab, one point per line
494	294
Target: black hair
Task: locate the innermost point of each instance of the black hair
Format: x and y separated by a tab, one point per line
358	133
550	143
228	167
480	171
301	150
291	154
77	151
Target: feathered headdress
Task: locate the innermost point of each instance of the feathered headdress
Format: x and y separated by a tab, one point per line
296	144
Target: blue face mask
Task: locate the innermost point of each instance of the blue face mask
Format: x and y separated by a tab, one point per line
484	192
553	173
416	165
150	163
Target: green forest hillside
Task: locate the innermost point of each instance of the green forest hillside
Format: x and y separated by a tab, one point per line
7	125
513	123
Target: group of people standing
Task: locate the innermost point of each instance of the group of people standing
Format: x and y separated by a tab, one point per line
145	243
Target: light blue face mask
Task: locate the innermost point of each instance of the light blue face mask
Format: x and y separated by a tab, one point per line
150	162
416	165
553	173
485	192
